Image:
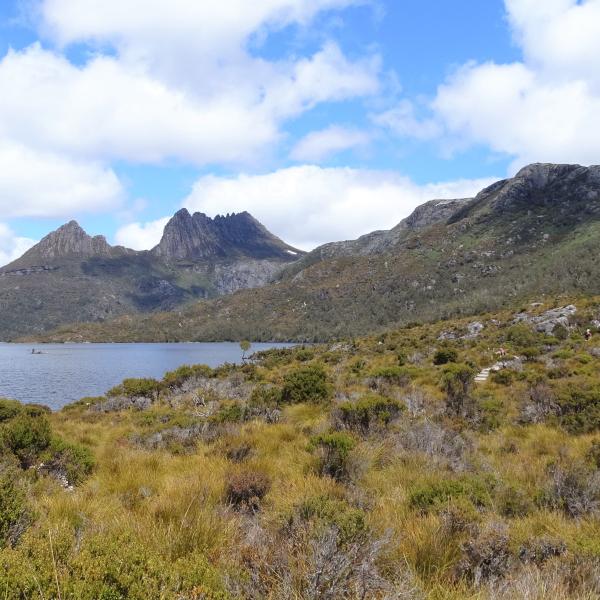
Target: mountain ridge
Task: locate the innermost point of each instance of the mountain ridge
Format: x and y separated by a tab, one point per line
534	234
70	276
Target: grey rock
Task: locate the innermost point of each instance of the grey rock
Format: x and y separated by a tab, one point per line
547	321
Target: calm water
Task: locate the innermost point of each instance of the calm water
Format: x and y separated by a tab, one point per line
68	372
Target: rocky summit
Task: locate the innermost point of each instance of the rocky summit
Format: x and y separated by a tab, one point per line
70	276
197	236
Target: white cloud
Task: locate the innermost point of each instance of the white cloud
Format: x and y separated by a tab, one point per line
180	82
403	121
11	245
309	205
141	236
43	184
545	108
319	145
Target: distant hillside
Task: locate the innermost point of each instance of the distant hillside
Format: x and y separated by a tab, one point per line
72	277
537	233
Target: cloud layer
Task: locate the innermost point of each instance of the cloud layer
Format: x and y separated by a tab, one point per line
543	108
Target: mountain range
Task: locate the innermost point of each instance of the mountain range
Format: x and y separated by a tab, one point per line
534	234
70	276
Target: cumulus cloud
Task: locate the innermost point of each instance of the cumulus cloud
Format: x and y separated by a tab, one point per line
141	236
310	205
11	245
545	107
43	184
319	145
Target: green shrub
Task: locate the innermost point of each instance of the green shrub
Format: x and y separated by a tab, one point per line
137	388
368	412
395	375
456	382
514	502
326	511
13	509
579	407
502	377
594	454
265	396
232	412
522	336
306	384
530	353
436	494
444	356
9	409
73	460
174	379
334	450
26	437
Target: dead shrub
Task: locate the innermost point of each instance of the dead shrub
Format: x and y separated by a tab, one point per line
246	489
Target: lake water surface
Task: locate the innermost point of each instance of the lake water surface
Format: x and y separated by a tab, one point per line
67	372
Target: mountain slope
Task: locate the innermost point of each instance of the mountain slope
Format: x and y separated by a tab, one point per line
70	276
537	233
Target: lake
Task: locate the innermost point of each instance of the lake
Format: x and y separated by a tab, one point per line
64	373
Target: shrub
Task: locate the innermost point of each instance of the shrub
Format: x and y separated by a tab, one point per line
326	511
594	454
456	383
502	377
369	412
572	488
9	409
394	375
246	489
522	336
72	461
265	396
306	384
26	437
13	509
174	379
513	502
137	388
579	407
530	353
444	356
437	493
487	557
334	450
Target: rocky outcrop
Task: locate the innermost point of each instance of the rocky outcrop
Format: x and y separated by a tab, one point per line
70	240
199	237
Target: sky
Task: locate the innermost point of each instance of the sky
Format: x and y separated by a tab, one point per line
325	119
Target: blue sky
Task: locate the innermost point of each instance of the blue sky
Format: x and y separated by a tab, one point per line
324	118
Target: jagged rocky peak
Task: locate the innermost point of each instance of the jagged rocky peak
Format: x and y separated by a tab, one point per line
200	237
68	240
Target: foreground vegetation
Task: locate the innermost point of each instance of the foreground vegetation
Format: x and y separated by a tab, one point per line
372	468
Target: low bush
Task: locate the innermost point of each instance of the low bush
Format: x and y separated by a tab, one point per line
136	388
72	461
246	489
394	375
26	437
14	516
334	449
513	502
437	493
443	356
174	379
502	377
306	384
370	412
579	407
456	382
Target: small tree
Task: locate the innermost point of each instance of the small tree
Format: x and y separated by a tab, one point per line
456	384
245	345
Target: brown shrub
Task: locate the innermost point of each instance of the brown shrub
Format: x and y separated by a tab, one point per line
246	489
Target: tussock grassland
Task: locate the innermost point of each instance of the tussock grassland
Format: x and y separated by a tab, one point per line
370	468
